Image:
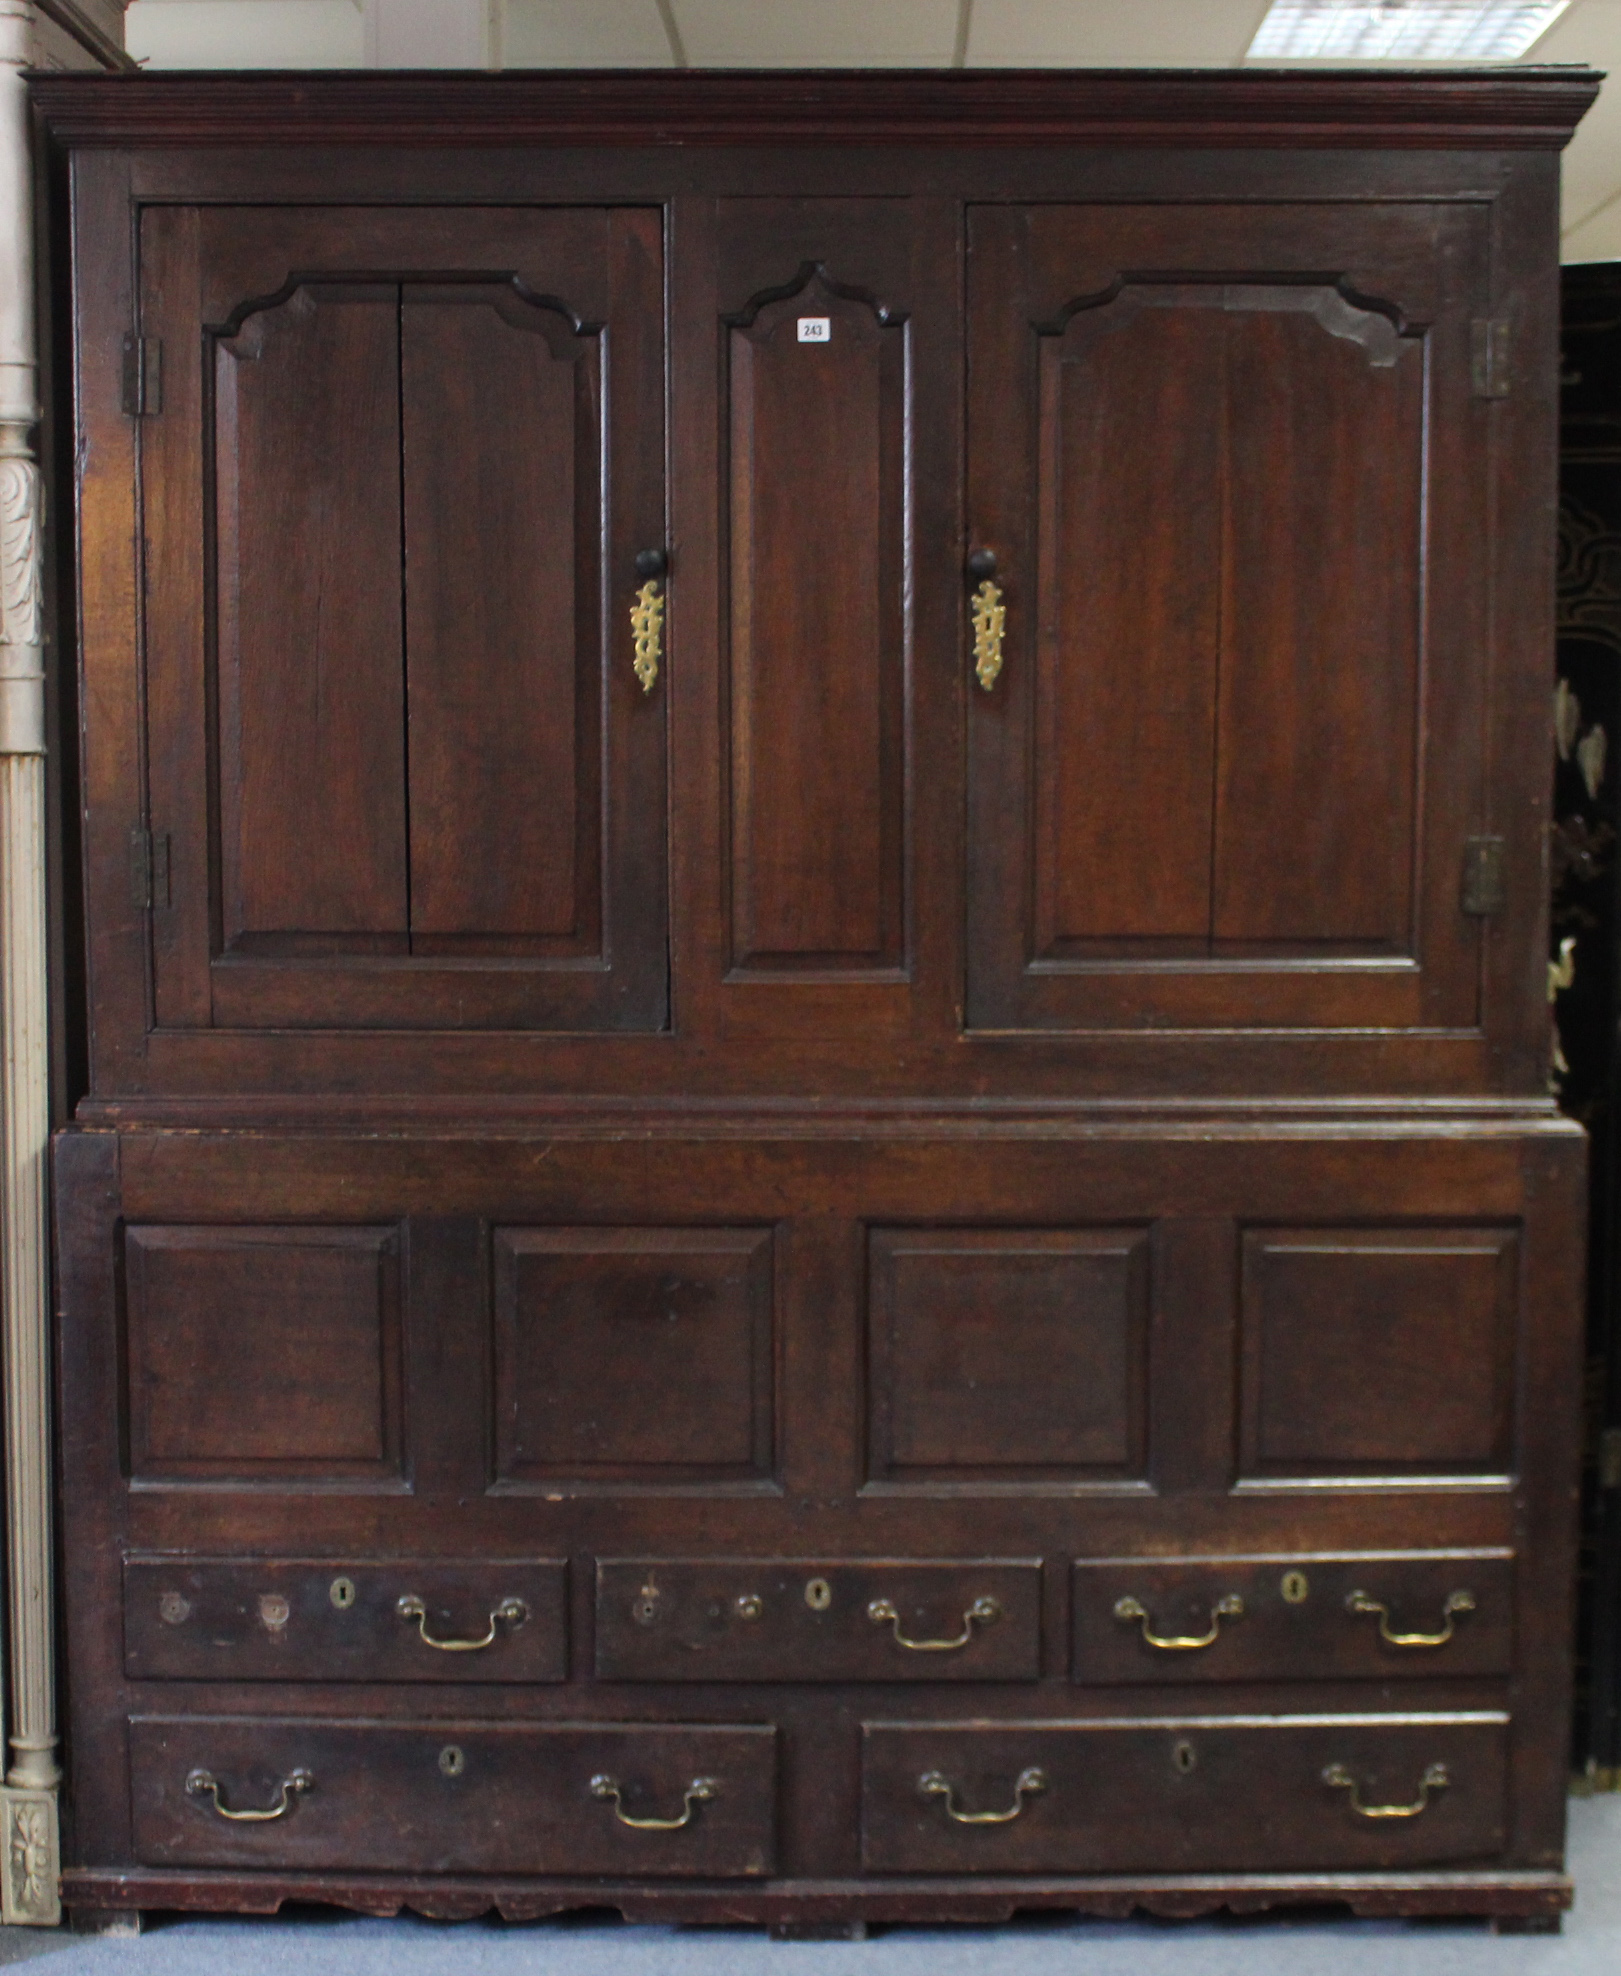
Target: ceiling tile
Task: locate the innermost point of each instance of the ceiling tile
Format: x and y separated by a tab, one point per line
604	34
785	34
1111	33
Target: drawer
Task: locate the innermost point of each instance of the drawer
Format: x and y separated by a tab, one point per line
453	1797
337	1619
1301	1617
867	1619
1197	1794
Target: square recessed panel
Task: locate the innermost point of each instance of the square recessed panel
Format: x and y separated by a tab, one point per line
263	1352
1369	1350
633	1354
1007	1353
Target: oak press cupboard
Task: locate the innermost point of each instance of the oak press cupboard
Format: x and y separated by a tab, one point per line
815	1181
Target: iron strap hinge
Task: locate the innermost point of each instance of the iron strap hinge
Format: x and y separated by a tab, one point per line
143	376
1484	890
148	869
1489	358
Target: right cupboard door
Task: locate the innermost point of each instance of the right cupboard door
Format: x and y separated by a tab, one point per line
1229	466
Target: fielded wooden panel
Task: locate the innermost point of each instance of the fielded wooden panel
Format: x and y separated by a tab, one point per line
313	845
443	430
502	563
1196	792
817	506
633	1353
836	327
1008	1352
263	1353
1379	1349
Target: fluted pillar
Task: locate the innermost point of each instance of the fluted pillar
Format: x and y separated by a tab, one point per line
28	1861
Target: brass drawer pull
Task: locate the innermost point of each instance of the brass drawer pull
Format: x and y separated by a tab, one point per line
983	1612
1029	1784
1457	1602
1129	1610
513	1611
1338	1778
698	1792
203	1783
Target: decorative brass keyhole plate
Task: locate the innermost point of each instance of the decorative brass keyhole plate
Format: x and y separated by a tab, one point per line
1296	1588
342	1593
452	1760
818	1594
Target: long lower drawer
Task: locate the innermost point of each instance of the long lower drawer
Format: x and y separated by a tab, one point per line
1193	1794
454	1797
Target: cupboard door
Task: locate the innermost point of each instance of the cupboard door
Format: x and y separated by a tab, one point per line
405	768
1229	766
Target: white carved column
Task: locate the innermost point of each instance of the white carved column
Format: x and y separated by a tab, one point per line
28	1860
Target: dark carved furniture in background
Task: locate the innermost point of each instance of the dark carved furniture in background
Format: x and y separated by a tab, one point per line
1585	980
817	1180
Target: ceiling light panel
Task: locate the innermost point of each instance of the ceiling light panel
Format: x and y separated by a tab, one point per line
1402	30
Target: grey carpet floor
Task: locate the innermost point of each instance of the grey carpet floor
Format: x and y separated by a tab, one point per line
327	1945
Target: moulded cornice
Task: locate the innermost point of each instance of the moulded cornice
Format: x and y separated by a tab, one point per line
1492	109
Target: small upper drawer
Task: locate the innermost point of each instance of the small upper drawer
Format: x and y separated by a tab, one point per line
454	1797
868	1619
331	1619
1194	1794
1306	1617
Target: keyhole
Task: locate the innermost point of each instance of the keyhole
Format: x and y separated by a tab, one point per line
1184	1758
1295	1587
818	1594
342	1593
451	1760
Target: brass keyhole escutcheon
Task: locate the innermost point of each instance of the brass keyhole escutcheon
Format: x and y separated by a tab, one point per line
818	1594
1296	1588
750	1606
342	1593
1184	1757
174	1608
452	1762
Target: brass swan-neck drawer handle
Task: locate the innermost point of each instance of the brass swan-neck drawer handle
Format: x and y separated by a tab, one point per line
698	1792
1457	1602
988	615
1029	1784
513	1611
1338	1778
203	1783
983	1612
647	617
1129	1611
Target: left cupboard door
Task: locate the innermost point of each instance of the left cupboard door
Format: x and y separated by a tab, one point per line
405	750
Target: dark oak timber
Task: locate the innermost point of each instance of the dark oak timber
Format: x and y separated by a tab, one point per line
754	1262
